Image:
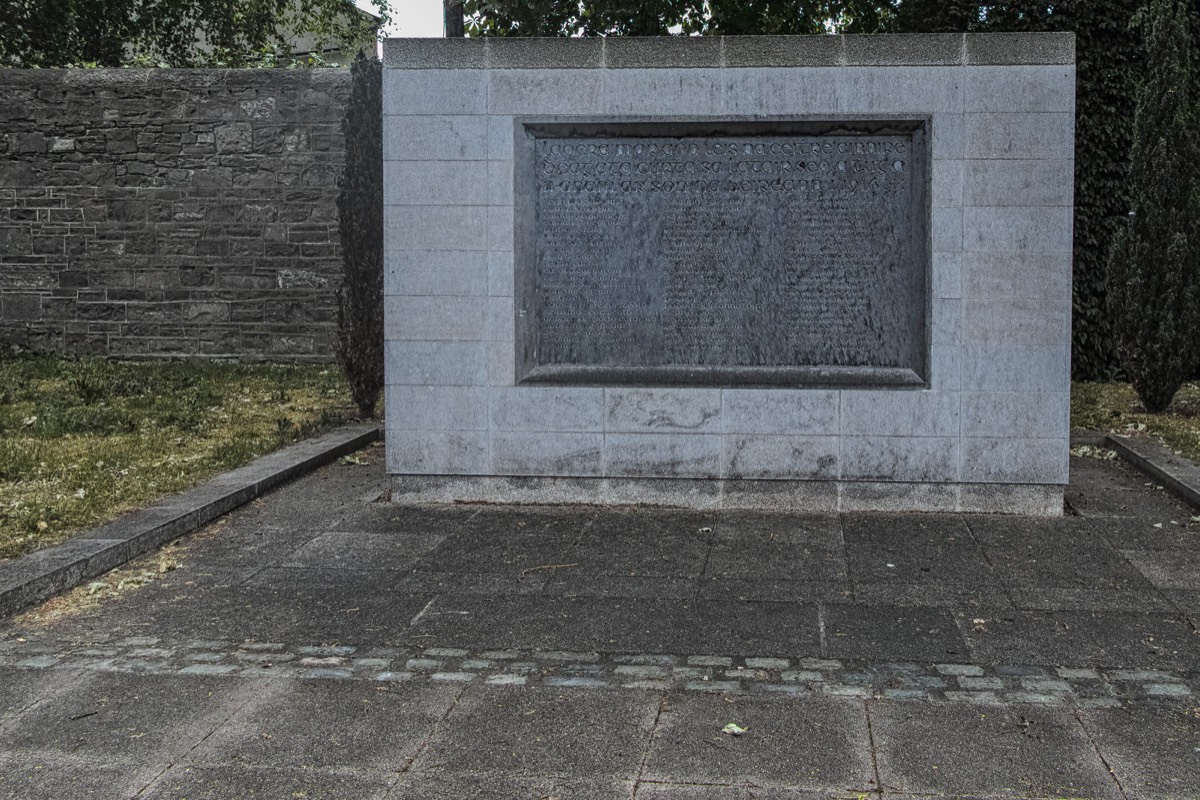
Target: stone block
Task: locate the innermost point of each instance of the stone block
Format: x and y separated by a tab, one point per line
946	324
1010	89
438	452
899	413
654	91
539	408
500	137
947	183
780	411
439	272
771	92
900	90
436	228
946	135
442	137
1019	182
500	234
435	183
945	368
500	183
1015	460
1016	323
1048	135
899	458
1020	48
500	274
1001	498
432	408
1016	369
441	54
780	51
658	455
501	363
691	411
21	308
905	49
872	496
771	456
438	92
444	363
436	318
543	91
947	226
515	52
947	275
1043	276
1016	229
662	52
543	454
1044	415
500	319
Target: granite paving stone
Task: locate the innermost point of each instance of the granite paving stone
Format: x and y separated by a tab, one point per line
817	745
323	724
539	731
221	783
1154	752
51	776
126	717
450	784
992	752
1168	569
1170	532
693	791
904	633
937	595
383	551
1081	638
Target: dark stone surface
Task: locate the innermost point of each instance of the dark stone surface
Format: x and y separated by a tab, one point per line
1152	751
992	752
363	551
705	254
318	724
818	744
119	717
904	634
542	731
51	777
454	785
618	625
221	783
193	215
1083	638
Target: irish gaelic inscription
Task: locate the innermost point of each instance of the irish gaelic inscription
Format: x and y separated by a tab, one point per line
785	257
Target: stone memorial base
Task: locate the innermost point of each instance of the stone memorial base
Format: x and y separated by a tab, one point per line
810	273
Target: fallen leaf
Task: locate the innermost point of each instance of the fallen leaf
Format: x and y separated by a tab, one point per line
733	729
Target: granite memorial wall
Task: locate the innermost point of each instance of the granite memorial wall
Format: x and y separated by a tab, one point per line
784	272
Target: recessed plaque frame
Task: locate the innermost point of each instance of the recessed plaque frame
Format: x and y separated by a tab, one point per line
742	252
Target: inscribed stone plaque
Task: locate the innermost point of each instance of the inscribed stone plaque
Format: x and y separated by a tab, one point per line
774	253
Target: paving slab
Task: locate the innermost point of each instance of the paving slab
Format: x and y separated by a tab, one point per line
1168	569
905	634
376	551
1154	752
941	750
223	783
1082	638
455	785
41	776
539	731
648	790
127	717
935	595
329	723
818	745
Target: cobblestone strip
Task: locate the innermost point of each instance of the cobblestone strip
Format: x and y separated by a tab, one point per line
960	683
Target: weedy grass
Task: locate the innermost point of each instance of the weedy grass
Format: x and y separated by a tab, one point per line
1115	408
82	440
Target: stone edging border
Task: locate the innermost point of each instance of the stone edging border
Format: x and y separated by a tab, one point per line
31	579
1177	474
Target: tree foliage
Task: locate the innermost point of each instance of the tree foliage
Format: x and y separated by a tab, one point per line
360	225
176	33
1154	270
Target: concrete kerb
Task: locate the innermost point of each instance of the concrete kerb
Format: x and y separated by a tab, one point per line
31	579
1177	474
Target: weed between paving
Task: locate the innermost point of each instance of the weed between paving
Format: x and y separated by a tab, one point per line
82	440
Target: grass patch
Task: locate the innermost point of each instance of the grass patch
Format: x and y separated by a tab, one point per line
82	440
1114	408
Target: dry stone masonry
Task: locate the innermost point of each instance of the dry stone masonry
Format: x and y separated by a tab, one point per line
823	273
149	213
